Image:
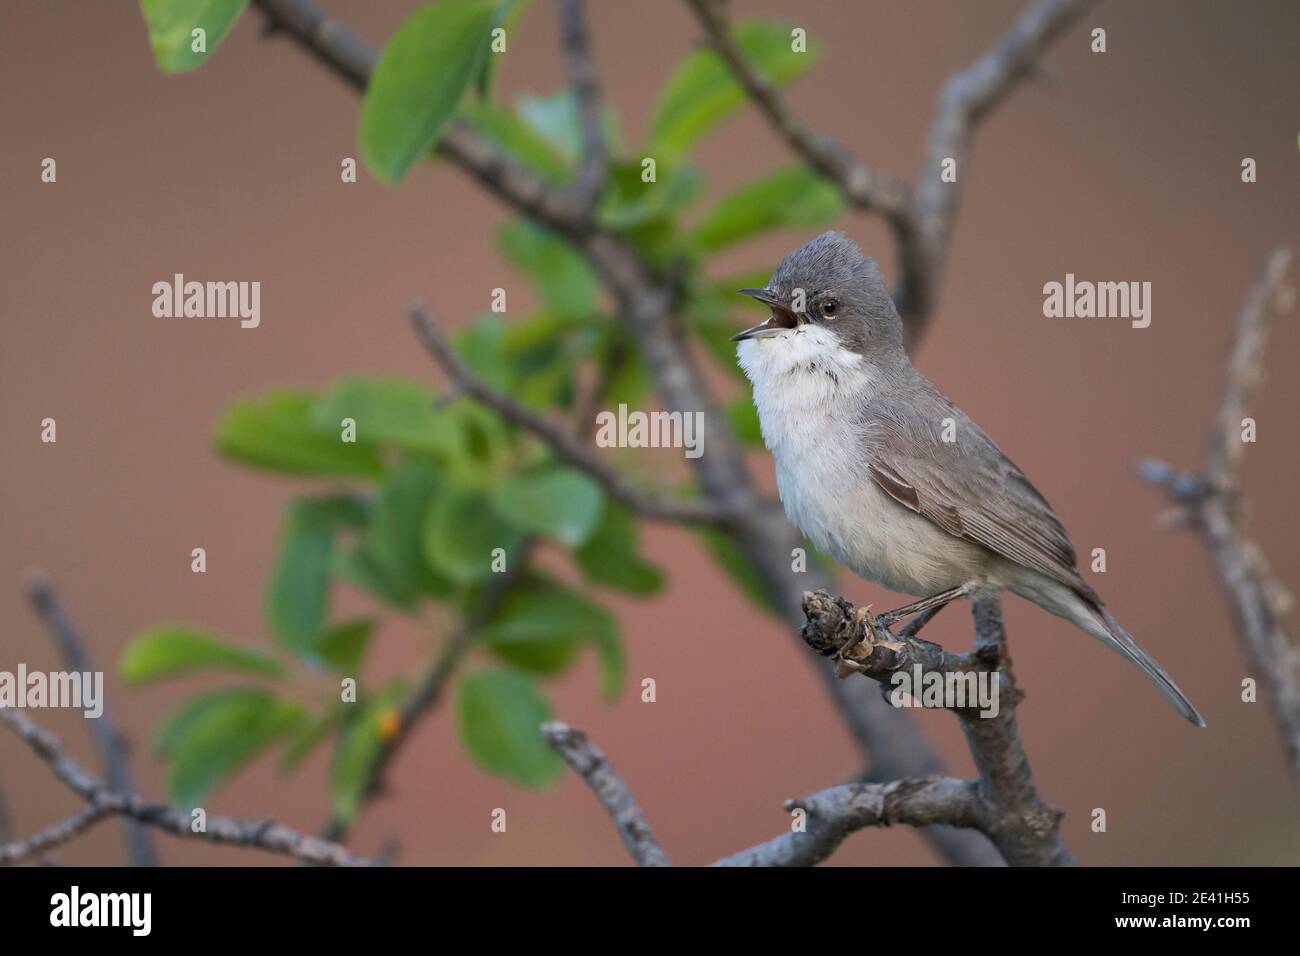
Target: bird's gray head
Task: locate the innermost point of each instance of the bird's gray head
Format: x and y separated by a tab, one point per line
828	287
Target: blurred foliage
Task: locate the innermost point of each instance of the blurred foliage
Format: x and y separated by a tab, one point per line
421	499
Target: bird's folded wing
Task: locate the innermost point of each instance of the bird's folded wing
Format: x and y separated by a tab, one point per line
977	493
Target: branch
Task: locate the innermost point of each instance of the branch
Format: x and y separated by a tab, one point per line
1211	502
590	763
108	740
583	78
1023	827
103	800
921	221
834	814
52	836
968	97
562	442
830	816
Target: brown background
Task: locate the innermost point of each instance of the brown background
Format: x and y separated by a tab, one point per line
1122	166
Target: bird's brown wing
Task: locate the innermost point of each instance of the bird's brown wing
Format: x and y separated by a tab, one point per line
971	490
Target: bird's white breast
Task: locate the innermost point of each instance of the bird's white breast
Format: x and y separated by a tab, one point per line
812	397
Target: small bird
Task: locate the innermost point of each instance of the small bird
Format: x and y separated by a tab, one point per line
880	470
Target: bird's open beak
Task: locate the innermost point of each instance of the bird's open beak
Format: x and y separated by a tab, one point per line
781	319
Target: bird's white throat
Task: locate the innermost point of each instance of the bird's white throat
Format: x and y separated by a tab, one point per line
802	379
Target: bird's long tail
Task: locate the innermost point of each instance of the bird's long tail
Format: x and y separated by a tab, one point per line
1109	632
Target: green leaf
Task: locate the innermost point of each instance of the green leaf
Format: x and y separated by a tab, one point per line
541	629
307	734
566	283
357	748
388	411
171	23
631	203
394	541
702	91
506	15
519	138
500	713
168	651
421	75
562	503
211	737
740	569
276	432
789	198
297	602
460	533
610	556
744	421
344	645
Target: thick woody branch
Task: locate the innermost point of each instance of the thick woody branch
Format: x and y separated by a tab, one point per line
586	93
102	800
1021	825
108	740
567	446
1210	502
591	764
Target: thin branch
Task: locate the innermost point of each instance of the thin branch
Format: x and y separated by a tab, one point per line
861	186
834	814
567	446
968	97
108	740
260	834
1024	828
585	83
590	763
432	685
1210	501
52	836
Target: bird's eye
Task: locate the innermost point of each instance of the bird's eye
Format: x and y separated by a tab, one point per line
829	307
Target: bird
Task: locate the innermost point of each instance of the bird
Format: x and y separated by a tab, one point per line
880	470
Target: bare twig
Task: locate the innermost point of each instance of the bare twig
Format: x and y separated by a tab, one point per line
1210	501
567	446
52	836
108	740
590	763
586	93
921	221
832	815
260	834
1023	827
